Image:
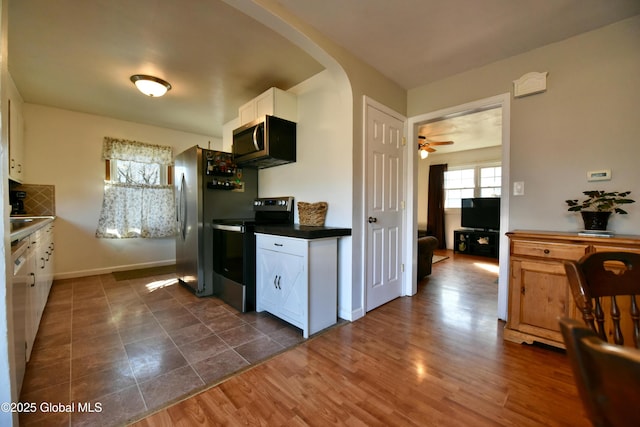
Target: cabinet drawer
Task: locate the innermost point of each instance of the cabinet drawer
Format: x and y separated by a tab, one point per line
602	248
549	250
281	244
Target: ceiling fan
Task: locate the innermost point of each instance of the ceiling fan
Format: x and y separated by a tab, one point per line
425	146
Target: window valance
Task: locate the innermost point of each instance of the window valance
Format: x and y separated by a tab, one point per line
122	149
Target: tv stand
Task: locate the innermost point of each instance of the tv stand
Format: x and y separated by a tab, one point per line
476	242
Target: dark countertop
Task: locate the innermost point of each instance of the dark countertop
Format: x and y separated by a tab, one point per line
303	231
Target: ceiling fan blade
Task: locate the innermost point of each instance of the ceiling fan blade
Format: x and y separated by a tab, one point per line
440	142
429	149
422	137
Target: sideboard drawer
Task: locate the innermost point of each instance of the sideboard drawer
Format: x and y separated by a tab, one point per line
549	250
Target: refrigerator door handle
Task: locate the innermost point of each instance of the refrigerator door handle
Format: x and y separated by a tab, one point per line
182	208
178	199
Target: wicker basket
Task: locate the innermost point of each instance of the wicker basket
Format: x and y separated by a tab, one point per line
312	213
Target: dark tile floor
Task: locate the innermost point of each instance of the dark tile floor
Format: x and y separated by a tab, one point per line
131	346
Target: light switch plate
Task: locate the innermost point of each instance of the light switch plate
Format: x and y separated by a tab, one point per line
518	188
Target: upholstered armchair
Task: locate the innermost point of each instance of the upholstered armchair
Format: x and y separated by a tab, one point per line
426	245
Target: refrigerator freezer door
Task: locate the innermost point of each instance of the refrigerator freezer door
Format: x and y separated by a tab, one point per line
189	242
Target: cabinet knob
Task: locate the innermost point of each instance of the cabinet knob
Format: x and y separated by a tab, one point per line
547	251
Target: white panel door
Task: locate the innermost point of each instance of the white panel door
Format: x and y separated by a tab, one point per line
384	212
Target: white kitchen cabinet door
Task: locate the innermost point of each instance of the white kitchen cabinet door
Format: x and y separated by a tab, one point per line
292	284
272	102
247	112
16	142
267	267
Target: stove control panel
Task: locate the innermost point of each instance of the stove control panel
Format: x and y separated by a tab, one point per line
282	204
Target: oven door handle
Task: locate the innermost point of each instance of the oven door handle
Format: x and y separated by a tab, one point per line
226	227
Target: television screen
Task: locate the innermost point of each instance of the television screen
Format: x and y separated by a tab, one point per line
481	213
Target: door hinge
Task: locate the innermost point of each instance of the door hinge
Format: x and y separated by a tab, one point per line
403	205
404	140
402	267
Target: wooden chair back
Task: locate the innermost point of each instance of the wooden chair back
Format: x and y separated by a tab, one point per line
607	376
604	287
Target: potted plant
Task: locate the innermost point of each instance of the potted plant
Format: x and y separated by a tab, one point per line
598	206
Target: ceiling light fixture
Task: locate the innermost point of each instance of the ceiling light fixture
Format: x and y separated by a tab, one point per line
422	148
149	85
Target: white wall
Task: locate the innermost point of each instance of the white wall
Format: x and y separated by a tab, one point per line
460	158
64	148
586	120
322	171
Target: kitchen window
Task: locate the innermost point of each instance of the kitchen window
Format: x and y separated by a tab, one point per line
476	181
138	195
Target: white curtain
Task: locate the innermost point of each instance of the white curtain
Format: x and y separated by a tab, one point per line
131	209
122	149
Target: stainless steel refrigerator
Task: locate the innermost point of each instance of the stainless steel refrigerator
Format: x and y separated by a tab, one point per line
208	187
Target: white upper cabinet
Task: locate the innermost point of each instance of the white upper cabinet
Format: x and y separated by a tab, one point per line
273	102
16	133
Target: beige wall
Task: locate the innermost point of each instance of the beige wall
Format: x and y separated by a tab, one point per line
587	120
64	148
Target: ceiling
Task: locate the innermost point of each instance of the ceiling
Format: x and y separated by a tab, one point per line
79	55
480	129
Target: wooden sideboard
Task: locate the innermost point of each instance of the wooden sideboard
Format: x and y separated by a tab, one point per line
539	291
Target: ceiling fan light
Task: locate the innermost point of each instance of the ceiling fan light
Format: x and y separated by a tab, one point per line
149	85
424	154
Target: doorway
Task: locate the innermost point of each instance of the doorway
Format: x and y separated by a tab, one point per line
501	102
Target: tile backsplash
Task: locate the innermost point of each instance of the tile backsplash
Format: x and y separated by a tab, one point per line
40	200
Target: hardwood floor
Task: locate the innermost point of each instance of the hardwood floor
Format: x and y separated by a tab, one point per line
434	359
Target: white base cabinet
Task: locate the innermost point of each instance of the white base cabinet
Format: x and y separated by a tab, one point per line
297	280
41	246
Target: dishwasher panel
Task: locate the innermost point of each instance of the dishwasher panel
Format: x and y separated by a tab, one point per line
19	304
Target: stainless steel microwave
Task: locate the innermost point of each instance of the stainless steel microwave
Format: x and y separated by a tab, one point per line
266	142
